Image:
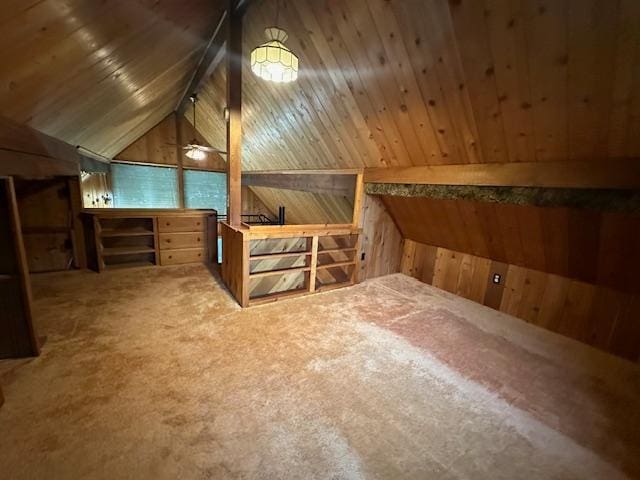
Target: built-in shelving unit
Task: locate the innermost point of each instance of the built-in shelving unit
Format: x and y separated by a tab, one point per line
138	238
266	264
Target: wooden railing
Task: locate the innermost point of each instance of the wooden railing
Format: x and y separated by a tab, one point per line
262	264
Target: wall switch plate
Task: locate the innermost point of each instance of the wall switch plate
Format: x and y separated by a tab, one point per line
497	278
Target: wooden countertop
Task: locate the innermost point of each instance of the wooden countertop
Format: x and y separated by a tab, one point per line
147	212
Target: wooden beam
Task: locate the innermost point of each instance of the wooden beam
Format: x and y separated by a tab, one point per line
234	122
211	57
179	161
27	152
357	200
614	173
610	200
305	182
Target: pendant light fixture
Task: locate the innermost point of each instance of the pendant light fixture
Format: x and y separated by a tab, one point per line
272	60
194	150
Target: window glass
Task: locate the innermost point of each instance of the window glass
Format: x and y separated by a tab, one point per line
141	186
205	190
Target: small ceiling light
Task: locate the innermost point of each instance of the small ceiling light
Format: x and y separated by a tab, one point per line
196	154
273	61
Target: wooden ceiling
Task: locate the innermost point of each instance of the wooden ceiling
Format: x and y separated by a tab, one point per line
414	82
99	73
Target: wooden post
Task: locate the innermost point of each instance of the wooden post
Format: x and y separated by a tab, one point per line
77	239
357	200
179	161
314	264
234	122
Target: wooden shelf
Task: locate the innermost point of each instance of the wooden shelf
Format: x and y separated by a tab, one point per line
337	250
122	266
5	277
280	271
129	232
333	286
114	251
274	297
269	256
336	264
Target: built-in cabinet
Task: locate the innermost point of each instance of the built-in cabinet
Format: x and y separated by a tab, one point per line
122	238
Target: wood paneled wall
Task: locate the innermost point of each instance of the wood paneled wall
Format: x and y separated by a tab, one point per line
599	316
594	247
381	242
96	190
159	146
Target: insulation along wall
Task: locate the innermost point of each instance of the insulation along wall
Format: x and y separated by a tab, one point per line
597	315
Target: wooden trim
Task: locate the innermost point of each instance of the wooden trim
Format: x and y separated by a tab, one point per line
23	266
211	57
613	173
343	171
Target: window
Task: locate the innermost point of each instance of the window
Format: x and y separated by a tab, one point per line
140	186
205	190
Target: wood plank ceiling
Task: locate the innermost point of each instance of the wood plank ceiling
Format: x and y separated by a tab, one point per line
99	73
415	82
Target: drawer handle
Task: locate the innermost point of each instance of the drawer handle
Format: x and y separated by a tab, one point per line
168	240
170	257
198	239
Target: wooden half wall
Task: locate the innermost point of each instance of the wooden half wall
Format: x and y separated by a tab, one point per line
603	317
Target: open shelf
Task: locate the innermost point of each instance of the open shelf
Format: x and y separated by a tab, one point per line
129	250
273	297
332	286
270	256
280	271
336	250
128	232
121	266
336	264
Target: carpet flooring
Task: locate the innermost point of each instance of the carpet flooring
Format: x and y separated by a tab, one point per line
158	374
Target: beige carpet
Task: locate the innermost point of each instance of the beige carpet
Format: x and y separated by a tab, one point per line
157	374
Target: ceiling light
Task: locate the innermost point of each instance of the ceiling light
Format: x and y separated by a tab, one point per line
273	61
196	154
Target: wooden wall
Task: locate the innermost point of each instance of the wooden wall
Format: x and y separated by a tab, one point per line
96	190
45	213
600	316
381	240
159	146
594	247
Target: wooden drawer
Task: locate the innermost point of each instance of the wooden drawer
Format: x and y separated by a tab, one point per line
184	255
182	224
182	240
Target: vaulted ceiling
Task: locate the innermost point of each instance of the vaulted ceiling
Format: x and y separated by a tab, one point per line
99	73
413	82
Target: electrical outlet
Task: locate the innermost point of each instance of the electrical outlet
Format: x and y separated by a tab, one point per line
362	257
497	278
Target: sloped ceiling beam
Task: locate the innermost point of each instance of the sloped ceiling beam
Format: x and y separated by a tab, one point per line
621	173
212	55
27	152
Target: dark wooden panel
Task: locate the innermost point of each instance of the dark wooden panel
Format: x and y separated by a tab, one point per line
605	318
595	247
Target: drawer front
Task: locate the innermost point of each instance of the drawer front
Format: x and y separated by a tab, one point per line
182	240
182	224
187	255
